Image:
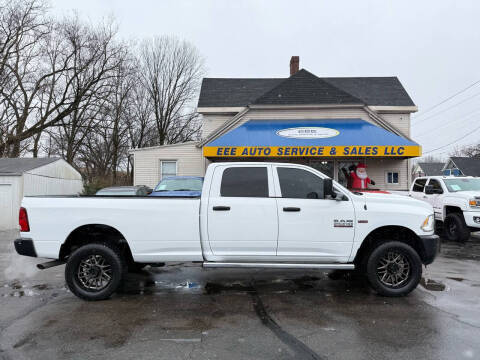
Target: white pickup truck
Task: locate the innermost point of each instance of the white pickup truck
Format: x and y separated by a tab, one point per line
455	201
253	215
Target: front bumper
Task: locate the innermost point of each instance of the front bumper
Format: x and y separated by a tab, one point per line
25	247
470	217
430	247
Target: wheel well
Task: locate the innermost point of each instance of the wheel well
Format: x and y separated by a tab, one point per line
452	209
98	233
384	234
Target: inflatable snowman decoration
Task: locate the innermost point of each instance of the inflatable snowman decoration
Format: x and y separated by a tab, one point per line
359	178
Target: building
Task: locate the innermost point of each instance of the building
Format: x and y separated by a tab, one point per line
467	166
327	123
428	169
21	177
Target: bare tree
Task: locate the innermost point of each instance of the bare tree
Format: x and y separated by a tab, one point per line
171	71
63	68
467	151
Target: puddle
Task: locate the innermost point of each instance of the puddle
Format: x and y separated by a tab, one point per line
432	285
456	278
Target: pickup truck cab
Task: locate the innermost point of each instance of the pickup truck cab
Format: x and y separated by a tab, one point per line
252	215
455	201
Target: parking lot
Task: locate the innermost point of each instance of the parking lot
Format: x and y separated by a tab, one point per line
185	312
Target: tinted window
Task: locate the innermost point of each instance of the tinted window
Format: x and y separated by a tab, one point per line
300	184
244	182
419	185
436	185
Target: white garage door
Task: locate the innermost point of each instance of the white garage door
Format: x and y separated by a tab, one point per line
6	207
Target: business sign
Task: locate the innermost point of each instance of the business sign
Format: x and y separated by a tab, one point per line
311	132
312	151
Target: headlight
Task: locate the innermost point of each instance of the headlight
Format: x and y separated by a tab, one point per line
428	223
474	203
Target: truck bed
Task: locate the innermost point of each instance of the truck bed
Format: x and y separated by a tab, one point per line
152	226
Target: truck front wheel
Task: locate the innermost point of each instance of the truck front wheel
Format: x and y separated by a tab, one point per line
394	269
455	228
94	271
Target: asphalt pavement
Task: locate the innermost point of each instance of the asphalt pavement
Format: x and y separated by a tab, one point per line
182	311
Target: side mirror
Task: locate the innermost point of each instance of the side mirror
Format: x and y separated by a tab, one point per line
429	189
328	188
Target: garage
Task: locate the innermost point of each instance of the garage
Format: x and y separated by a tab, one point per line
21	177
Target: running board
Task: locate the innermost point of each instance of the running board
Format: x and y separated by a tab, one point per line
210	264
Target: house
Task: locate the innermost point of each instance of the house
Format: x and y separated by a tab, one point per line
21	177
329	123
428	169
467	166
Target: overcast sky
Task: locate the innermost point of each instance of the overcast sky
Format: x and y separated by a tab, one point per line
432	46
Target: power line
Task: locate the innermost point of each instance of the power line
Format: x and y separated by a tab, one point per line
450	107
453	142
448	98
448	123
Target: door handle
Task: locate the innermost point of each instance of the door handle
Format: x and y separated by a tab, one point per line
221	208
291	209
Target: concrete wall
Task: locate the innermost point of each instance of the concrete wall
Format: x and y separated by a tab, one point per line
190	162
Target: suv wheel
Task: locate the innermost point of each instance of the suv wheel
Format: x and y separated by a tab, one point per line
94	271
394	269
455	228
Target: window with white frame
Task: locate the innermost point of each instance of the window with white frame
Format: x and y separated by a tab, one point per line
391	177
168	168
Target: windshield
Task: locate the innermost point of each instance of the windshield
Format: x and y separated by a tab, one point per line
180	185
117	192
454	185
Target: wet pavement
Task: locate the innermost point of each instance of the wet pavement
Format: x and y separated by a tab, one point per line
182	311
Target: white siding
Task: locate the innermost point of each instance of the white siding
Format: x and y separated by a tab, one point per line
9	211
190	162
57	178
213	121
286	114
377	169
400	121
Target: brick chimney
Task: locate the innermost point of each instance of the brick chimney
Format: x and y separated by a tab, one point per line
294	65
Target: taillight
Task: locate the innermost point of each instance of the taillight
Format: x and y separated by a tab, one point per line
23	220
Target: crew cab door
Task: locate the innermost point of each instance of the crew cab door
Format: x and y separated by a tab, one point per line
433	199
242	212
311	226
418	187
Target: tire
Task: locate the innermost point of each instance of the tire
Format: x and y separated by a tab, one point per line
455	228
387	285
84	275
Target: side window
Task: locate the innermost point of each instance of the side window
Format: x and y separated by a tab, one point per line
419	185
244	182
300	184
436	186
168	168
392	177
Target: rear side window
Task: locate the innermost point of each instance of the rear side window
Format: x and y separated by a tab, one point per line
299	184
419	185
244	182
436	185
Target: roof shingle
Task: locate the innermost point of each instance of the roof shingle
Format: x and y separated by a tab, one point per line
18	166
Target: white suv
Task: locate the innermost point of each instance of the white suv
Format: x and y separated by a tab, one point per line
455	201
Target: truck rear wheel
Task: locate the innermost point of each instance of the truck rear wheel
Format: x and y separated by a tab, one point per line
394	269
94	271
455	228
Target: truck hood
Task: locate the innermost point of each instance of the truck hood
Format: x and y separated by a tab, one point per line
393	199
465	194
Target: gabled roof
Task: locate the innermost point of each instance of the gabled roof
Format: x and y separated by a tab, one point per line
17	166
432	169
233	92
303	88
469	166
